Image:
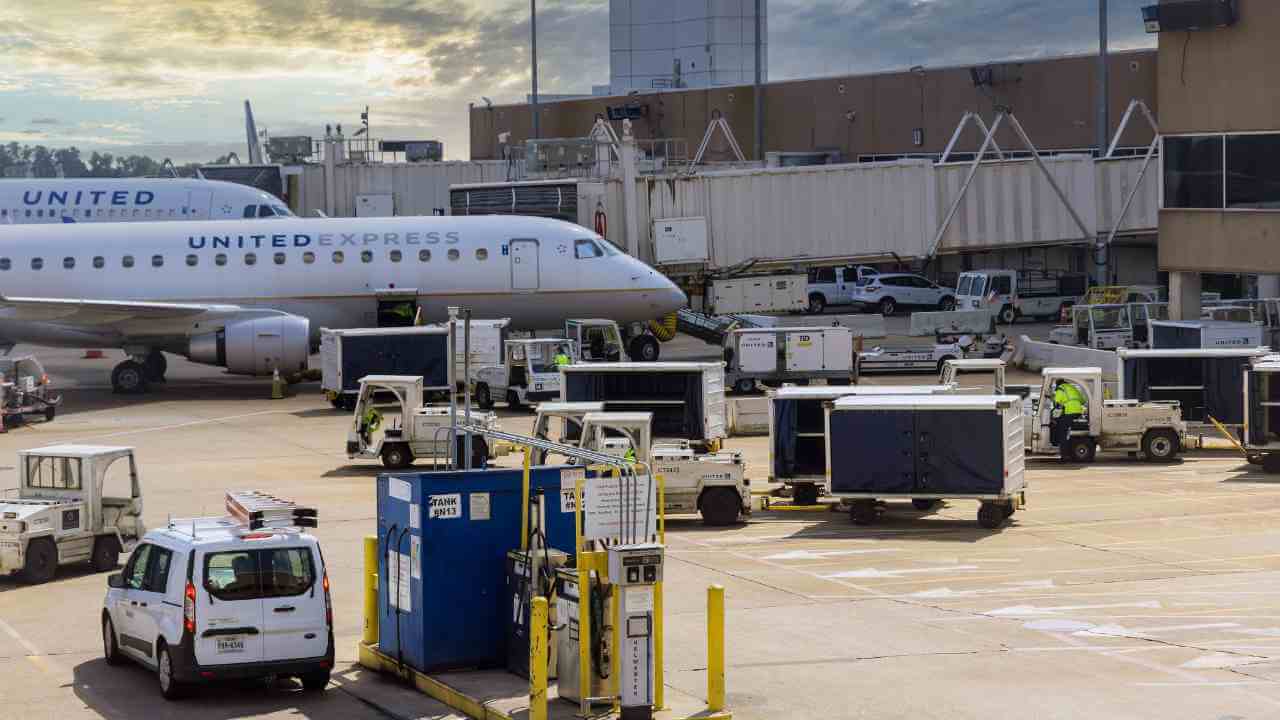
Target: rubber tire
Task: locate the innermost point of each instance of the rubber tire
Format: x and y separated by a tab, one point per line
106	554
315	681
45	556
484	398
1081	450
804	494
744	386
1152	438
1271	463
1007	315
863	512
644	348
1009	509
720	507
513	400
110	647
50	413
991	516
947	305
175	689
129	378
156	365
888	306
925	504
397	456
817	304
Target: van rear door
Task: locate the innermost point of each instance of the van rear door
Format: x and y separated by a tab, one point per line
229	615
293	604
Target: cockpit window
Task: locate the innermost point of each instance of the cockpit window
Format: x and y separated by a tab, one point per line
250	210
609	248
265	211
282	211
583	249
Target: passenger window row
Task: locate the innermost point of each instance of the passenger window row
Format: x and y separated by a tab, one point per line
221	259
53	213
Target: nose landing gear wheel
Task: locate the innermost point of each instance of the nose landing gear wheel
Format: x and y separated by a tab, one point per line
644	348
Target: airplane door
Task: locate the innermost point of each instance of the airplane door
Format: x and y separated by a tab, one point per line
198	202
524	264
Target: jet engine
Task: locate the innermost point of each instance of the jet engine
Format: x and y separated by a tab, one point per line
256	347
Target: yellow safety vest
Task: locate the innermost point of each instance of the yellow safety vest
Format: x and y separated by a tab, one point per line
1069	398
562	359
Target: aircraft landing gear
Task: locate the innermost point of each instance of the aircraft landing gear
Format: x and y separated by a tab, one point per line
129	378
155	365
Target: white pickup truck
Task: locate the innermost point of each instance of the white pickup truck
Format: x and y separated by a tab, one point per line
61	514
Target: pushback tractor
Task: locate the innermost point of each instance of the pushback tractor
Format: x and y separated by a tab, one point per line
414	431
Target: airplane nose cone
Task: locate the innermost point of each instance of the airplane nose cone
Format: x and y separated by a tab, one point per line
672	298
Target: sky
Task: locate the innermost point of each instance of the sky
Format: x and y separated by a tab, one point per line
169	79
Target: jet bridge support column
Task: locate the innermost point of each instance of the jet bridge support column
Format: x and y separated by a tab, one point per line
1184	296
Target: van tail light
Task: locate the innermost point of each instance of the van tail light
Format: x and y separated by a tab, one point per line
328	602
189	608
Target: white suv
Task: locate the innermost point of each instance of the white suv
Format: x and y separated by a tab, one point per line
209	599
888	292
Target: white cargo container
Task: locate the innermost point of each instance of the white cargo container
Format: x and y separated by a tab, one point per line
487	340
765	294
1169	334
779	354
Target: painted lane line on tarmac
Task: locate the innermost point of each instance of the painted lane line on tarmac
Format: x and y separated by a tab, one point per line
824	554
1025	610
877	573
34	655
191	423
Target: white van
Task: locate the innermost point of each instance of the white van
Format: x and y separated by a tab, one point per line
215	598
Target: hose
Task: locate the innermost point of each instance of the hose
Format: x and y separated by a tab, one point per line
664	330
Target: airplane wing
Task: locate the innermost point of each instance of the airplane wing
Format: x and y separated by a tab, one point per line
129	318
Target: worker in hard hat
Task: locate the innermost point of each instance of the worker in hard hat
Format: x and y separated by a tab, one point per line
1068	406
562	357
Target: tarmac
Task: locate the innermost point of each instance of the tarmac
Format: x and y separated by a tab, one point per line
1123	590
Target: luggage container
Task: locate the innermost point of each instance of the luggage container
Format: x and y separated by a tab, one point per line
1261	436
781	354
686	398
1205	382
443	541
348	355
797	433
926	448
1205	334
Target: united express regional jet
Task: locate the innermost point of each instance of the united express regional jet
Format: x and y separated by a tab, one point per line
95	200
251	296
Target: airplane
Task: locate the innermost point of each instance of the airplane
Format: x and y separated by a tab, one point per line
251	296
96	200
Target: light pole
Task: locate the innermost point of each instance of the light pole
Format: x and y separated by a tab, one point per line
533	30
759	90
1104	81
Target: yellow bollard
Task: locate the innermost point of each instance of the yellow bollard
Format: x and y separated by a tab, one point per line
370	636
715	648
277	385
538	660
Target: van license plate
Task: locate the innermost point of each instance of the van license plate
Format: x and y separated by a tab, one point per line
231	645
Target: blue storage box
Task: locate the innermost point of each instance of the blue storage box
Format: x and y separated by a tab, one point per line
443	540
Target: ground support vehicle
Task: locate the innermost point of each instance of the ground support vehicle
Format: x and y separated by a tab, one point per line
417	431
713	484
797	436
776	355
63	513
925	448
1153	430
759	294
26	390
1205	334
954	370
1100	327
1261	435
924	358
886	293
225	598
486	343
687	399
1012	294
346	356
528	374
594	340
833	286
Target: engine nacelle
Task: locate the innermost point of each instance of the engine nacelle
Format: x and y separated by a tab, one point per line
256	347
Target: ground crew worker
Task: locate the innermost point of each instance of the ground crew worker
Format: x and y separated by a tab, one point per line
562	357
1068	406
630	456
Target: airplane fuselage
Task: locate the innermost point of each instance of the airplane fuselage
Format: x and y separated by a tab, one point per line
128	200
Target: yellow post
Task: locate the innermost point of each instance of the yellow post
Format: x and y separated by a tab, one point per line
584	606
538	660
659	684
715	648
370	636
524	506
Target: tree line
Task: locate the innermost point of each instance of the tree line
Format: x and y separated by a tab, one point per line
45	162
